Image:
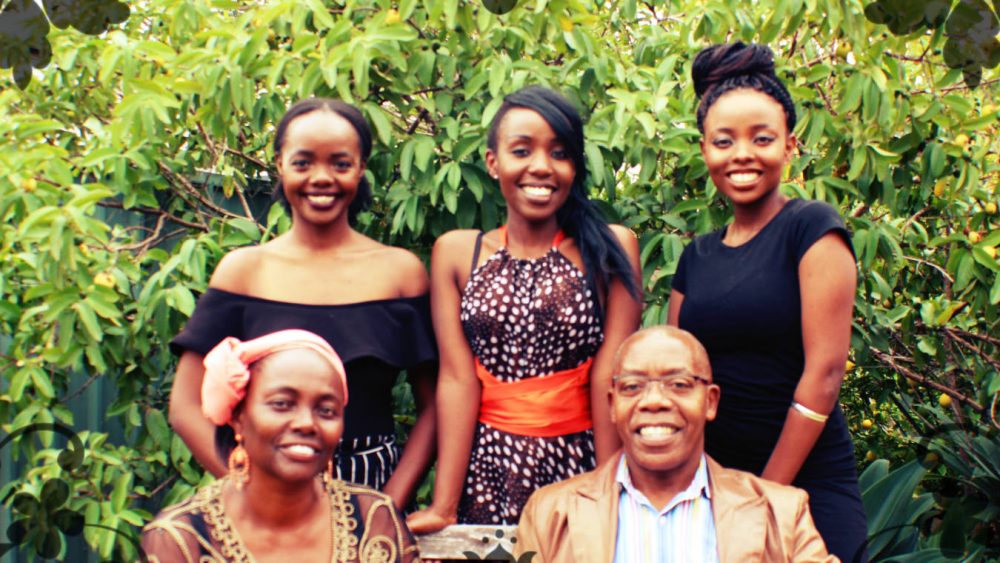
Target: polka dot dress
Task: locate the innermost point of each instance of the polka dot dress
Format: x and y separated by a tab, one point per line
525	318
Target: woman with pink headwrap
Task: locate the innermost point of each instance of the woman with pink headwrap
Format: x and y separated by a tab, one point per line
278	403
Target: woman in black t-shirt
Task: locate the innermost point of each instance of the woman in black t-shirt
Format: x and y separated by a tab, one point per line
771	298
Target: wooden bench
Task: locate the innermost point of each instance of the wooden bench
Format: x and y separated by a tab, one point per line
463	542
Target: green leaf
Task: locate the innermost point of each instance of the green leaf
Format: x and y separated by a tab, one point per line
396	33
406	8
119	494
381	122
985	259
406	158
422	152
648	124
180	298
88	319
595	163
927	346
491	109
361	62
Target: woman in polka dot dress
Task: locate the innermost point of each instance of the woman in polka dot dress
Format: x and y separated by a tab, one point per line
528	318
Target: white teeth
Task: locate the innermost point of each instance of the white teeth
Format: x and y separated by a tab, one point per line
744	176
656	431
537	190
300	449
321	199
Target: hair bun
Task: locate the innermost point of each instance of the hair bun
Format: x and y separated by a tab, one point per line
719	62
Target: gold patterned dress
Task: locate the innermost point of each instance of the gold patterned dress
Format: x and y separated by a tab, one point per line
366	529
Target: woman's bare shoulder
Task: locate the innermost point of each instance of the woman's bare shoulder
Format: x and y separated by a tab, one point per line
406	267
236	269
622	233
463	241
454	249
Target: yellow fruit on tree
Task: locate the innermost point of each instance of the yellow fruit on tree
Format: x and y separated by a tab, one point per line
975	237
990	208
944	400
849	366
104	279
939	187
867	424
962	140
392	16
29	184
870	456
566	24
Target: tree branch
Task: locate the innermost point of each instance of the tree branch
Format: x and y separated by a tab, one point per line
211	145
932	265
186	184
951	333
983	337
913	218
151	211
890	361
82	388
413	126
248	158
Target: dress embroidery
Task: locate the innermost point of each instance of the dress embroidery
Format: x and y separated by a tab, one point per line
378	543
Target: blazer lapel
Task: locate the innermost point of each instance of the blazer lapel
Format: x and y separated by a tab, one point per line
740	517
593	521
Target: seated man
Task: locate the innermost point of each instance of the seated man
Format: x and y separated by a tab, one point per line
664	499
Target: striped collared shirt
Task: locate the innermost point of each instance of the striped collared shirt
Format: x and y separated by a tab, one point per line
684	531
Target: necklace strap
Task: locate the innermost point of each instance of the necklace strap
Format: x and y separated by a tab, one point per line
560	236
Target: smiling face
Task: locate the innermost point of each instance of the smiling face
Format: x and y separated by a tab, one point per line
662	434
746	145
293	416
534	169
320	166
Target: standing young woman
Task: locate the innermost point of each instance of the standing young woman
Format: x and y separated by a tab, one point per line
771	296
528	317
368	300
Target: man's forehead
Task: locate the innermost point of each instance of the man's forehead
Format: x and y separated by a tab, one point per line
656	353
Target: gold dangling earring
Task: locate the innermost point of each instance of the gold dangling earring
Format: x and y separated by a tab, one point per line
328	475
239	464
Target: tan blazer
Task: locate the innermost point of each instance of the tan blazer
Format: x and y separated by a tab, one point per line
576	520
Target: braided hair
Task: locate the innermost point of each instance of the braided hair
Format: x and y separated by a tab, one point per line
730	66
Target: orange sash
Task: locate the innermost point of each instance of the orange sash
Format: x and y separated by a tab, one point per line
548	406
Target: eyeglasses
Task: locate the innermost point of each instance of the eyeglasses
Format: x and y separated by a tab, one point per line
677	385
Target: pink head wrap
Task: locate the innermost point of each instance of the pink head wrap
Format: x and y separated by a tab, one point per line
227	368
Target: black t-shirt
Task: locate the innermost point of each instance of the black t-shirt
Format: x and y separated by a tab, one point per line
743	304
375	340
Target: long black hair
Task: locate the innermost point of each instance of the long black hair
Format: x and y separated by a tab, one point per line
363	197
729	66
579	218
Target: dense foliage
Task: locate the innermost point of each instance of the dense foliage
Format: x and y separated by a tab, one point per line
137	158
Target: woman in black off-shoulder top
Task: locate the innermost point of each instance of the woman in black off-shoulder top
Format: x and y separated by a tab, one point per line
368	300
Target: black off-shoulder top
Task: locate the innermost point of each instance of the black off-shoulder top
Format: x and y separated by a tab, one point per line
375	339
